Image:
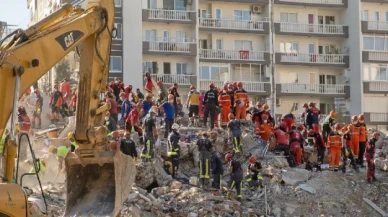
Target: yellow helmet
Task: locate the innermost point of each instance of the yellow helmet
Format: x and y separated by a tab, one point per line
51	149
70	136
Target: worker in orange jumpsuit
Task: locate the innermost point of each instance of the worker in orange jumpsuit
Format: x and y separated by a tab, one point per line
56	101
334	145
355	135
241	102
265	129
296	143
362	140
225	103
73	104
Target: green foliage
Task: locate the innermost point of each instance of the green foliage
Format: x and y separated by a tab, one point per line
62	70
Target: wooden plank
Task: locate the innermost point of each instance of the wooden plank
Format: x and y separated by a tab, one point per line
374	206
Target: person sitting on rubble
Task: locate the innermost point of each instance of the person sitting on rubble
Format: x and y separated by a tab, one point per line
347	152
236	177
296	143
61	153
204	146
370	151
109	122
216	169
174	148
253	178
283	143
234	131
128	146
319	145
132	122
74	144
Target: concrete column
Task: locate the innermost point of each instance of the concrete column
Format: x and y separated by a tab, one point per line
132	43
196	64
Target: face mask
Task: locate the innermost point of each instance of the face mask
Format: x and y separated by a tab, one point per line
107	118
116	82
362	122
266	110
230	90
354	122
265	121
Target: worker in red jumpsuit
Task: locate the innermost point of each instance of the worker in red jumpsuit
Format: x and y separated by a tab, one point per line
56	101
355	135
132	123
369	156
225	104
241	102
290	120
36	115
283	143
24	124
363	139
296	143
148	82
265	129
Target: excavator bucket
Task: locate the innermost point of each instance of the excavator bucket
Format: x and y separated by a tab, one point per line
98	186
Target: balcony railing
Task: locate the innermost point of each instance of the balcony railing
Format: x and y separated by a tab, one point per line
378	25
160	14
231	55
379	117
204	83
173	78
313	88
312	28
231	23
378	86
313	58
378	55
329	2
178	45
253	86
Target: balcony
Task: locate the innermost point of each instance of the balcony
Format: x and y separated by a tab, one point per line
374	27
331	60
169	16
375	56
376	87
321	90
315	3
245	1
232	25
259	88
319	30
376	118
375	1
181	80
170	46
234	56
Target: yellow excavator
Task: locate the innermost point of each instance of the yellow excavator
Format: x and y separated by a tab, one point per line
97	180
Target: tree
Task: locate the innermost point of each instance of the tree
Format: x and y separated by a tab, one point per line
62	70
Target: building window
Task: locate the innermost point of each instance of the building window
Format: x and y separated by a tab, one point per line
181	36
375	43
118	3
115	64
180	5
212	72
369	43
243	45
289	47
331	79
153	4
288	17
242	15
119	31
374	72
151	67
150	35
181	68
365	15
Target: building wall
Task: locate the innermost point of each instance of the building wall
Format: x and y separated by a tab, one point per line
258	41
228	8
288	74
375	103
171	28
304	43
191	69
303	12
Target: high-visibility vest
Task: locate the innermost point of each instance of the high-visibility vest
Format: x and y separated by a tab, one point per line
2	143
42	170
62	151
75	144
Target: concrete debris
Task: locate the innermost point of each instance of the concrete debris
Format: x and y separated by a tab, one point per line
294	176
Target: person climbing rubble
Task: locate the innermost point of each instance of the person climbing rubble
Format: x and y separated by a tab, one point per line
363	138
369	156
241	102
150	136
193	104
174	148
132	122
334	144
234	131
347	152
128	146
204	146
265	110
236	176
56	101
217	169
319	145
254	178
265	129
168	109
36	115
225	104
74	145
328	125
61	153
296	143
211	103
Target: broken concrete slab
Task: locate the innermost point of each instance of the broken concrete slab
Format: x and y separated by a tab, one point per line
294	176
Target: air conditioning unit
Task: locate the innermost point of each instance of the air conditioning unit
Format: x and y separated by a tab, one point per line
256	9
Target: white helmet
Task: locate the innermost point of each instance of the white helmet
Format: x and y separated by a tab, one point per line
226	82
175	126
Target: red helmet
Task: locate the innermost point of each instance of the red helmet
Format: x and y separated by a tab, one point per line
147	74
239	84
310	132
192	87
228	157
159	83
234	84
361	117
354	118
226	87
337	126
265	106
230	86
264	116
37	91
305	105
21	109
116	134
311	104
231	116
55	86
252	159
301	127
211	85
283	125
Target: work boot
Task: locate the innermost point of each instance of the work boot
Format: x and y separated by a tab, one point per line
343	169
374	178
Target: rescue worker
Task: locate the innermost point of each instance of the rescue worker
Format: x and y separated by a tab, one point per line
193	104
73	104
369	156
36	115
113	105
236	175
231	94
216	169
319	145
109	122
168	109
132	122
254	179
225	104
139	95
283	143
65	89
128	93
148	82
211	103
347	152
126	106
241	102
334	144
147	104
150	136
128	146
24	122
289	119
312	116
204	146
255	113
163	93
174	92
362	140
174	149
117	86
234	131
74	144
201	104
61	153
265	129
328	125
355	136
266	111
56	102
296	143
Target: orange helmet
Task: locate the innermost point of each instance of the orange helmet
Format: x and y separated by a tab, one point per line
354	118
361	117
252	159
228	157
239	84
333	114
192	87
211	85
265	106
337	126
